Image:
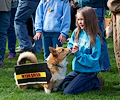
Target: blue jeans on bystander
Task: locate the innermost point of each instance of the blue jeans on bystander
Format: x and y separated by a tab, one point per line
4	24
104	59
50	39
25	10
11	33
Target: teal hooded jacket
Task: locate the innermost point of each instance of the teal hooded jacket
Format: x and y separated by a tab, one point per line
87	58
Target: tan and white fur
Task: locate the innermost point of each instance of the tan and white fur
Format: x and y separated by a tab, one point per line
56	63
108	27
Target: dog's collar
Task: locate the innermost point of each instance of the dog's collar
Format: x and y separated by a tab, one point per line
58	65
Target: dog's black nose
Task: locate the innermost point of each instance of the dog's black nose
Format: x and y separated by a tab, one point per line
71	48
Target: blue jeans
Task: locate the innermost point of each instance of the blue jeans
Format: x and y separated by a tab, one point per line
76	82
50	39
11	33
37	46
4	24
104	59
25	10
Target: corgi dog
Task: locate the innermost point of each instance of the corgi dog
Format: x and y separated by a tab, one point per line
56	63
108	27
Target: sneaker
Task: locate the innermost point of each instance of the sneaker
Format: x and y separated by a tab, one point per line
11	55
1	64
18	47
63	86
23	50
102	71
116	86
101	82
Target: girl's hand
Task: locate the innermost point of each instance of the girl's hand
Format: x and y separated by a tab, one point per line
75	49
37	36
62	39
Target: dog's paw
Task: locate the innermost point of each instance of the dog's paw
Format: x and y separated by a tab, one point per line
47	91
15	79
22	87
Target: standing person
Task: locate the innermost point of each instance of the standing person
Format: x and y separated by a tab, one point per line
100	7
86	52
26	9
5	7
74	7
11	30
30	29
52	23
114	7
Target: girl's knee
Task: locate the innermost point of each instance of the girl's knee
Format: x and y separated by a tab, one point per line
67	92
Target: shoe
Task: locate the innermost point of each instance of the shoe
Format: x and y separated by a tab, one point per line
1	64
101	82
23	50
102	71
63	86
11	55
116	86
18	47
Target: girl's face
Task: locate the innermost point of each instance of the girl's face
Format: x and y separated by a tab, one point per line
80	20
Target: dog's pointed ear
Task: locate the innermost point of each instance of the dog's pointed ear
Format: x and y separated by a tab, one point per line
53	51
56	45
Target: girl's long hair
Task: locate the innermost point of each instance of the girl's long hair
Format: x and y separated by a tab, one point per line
90	24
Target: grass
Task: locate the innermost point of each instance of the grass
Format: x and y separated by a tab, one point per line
9	90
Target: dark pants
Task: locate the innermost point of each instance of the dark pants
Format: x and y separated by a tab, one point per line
76	82
4	25
25	10
104	58
73	18
50	39
11	33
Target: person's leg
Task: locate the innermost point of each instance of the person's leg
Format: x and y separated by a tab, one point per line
116	38
73	18
37	46
47	42
67	80
4	24
30	29
83	82
55	40
11	34
104	59
24	11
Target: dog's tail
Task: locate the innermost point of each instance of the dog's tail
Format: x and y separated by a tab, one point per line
26	56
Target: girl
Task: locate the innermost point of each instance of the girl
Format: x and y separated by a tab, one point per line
100	8
86	47
52	23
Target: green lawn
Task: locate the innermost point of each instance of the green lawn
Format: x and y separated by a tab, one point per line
9	90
